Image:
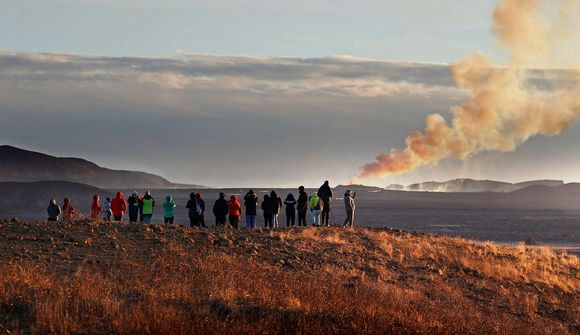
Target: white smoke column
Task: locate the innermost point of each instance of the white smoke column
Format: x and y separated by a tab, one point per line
503	110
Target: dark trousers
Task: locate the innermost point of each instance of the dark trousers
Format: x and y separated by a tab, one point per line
202	220
168	220
290	218
234	219
133	215
325	217
220	220
302	218
53	219
118	218
268	221
194	220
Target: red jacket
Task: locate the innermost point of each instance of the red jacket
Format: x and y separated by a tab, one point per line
234	207
119	205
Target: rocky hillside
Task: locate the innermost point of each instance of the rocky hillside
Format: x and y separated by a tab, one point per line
86	277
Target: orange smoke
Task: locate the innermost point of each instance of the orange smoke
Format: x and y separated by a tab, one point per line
503	110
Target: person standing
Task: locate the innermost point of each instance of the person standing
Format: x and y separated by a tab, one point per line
276	206
251	204
302	206
169	206
235	211
325	194
133	203
193	211
53	210
147	203
220	210
68	211
349	205
267	210
95	208
290	203
118	206
201	204
316	206
107	210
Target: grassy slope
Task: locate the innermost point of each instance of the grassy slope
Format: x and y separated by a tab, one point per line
99	278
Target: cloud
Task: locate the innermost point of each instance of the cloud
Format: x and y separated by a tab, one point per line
343	76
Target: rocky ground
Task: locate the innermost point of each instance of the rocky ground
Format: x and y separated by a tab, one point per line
90	277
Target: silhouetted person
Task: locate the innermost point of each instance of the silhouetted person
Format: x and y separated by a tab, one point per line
147	205
251	204
350	207
290	203
276	206
96	208
133	203
235	211
53	210
68	211
302	206
194	211
201	204
169	206
118	206
325	194
220	210
107	213
268	211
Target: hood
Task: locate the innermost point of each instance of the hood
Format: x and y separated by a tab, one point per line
347	193
192	196
96	197
52	201
290	197
119	195
234	198
135	194
66	201
198	196
222	195
168	198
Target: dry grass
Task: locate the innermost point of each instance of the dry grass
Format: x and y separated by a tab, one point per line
125	279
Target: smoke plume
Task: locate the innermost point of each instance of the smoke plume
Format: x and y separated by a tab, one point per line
504	108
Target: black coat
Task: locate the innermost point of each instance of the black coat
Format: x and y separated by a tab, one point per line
220	207
251	203
325	194
302	202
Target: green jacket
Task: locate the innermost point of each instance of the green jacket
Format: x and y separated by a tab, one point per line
148	204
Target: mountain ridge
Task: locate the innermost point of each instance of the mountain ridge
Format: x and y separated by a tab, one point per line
20	165
467	185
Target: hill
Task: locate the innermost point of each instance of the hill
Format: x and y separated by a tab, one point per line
88	277
18	165
472	186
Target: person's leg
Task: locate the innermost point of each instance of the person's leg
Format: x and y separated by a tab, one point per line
292	219
287	220
252	221
231	221
202	220
236	221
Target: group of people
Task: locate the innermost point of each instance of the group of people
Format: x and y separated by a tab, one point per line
225	211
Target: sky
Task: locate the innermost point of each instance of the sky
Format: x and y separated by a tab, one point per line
248	92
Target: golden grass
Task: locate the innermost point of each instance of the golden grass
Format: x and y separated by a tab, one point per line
167	280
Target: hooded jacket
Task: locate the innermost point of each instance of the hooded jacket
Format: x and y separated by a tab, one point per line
251	203
220	207
95	205
290	202
325	193
133	202
118	205
169	206
53	210
67	207
267	206
192	205
315	203
302	201
234	207
276	203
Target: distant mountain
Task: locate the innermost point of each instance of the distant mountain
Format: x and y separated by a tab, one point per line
20	165
472	185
